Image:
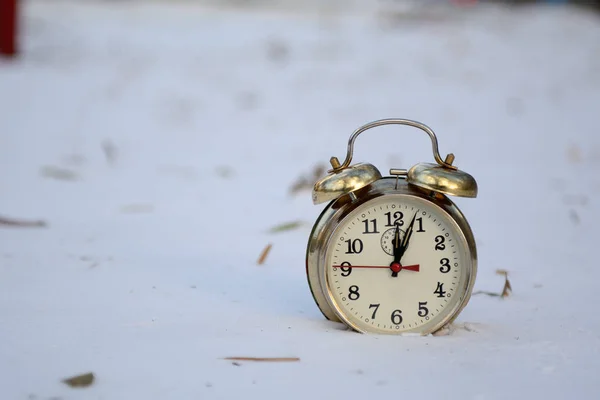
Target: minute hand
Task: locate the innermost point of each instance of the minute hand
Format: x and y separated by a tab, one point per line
407	236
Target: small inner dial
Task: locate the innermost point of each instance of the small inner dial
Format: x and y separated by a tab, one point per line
388	238
397	263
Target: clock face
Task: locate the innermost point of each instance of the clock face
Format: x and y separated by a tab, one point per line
397	263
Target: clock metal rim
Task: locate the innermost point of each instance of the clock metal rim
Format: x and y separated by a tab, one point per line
337	210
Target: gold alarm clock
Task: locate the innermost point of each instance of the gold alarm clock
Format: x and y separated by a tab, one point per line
393	254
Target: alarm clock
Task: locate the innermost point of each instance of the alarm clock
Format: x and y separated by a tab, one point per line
392	254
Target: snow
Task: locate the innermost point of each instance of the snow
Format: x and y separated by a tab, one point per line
159	143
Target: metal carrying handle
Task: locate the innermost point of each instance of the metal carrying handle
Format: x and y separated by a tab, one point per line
393	121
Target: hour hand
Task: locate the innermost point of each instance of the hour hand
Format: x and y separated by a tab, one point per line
398	250
397	245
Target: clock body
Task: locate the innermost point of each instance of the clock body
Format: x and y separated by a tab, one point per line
357	276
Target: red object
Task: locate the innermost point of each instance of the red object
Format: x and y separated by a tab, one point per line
394	265
8	27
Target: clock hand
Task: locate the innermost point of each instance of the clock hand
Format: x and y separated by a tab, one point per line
408	234
398	245
396	242
415	267
399	250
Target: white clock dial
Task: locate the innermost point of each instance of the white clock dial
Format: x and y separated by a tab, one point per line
397	263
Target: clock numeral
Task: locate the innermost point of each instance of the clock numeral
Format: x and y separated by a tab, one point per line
353	292
397	317
439	242
439	290
445	268
376	306
346	271
397	219
420	221
368	223
354	246
423	311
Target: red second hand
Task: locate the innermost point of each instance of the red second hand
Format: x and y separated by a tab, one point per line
414	267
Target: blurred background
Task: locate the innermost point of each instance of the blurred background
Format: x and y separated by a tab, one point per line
151	107
150	149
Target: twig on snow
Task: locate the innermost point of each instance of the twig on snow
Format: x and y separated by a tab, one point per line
264	254
263	359
23	223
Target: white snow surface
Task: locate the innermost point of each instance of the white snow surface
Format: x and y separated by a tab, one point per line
146	273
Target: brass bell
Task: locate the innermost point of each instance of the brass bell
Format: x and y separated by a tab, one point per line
341	181
440	178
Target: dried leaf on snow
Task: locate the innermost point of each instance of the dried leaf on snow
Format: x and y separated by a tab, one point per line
507	288
286	226
22	222
264	254
59	173
80	380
